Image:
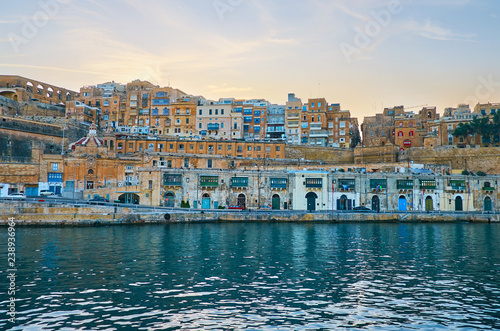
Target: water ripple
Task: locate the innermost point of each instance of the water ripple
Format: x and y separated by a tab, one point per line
258	277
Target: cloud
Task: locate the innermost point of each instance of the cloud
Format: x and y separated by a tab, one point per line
433	31
352	12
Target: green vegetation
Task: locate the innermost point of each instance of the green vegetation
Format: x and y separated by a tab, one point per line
488	129
185	204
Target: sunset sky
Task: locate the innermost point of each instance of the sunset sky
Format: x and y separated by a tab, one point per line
363	54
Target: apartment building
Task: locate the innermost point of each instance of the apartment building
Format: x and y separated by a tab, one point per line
293	111
276	122
219	120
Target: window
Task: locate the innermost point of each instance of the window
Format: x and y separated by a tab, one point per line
200	112
239	182
216	112
314	182
222	111
172	180
278	182
277	148
187	120
209	181
210	112
200	126
186	163
411	133
55	166
378	184
400	133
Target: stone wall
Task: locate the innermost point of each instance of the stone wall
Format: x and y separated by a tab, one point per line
17	136
486	159
376	154
327	155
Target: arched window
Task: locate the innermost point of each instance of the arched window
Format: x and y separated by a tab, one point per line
400	133
91	172
411	133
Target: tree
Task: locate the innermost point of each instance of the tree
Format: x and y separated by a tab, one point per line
464	130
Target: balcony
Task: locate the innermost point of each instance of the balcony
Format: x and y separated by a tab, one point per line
405	185
239	182
488	188
213	127
457	185
172	180
209	181
279	183
346	185
428	185
314	182
316	126
318	134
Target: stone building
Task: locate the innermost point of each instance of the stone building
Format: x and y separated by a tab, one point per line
319	190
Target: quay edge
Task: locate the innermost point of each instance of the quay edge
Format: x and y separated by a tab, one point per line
32	214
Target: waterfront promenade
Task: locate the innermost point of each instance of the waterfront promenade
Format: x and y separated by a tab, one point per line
30	213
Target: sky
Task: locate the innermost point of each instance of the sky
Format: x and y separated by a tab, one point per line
363	54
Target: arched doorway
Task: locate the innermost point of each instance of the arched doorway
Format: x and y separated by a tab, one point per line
276	203
170	199
429	204
242	201
376	203
343	203
205	201
129	198
459	206
311	201
487	204
402	203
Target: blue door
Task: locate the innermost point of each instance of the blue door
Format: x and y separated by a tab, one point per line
58	190
31	191
205	203
402	203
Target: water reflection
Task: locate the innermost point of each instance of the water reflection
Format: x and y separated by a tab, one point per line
258	276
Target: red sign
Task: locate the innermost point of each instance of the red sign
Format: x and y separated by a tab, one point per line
407	143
